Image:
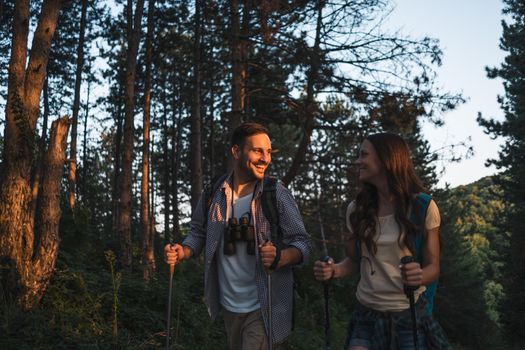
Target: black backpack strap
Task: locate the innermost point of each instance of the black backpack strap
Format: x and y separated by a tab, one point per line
209	192
269	207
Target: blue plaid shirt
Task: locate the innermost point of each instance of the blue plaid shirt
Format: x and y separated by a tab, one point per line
209	236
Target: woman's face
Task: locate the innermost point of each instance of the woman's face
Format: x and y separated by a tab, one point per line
368	163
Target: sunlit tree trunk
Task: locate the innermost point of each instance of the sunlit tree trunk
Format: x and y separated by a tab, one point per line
236	55
29	270
124	214
166	178
195	141
37	169
245	55
153	205
72	175
41	268
148	257
85	133
176	157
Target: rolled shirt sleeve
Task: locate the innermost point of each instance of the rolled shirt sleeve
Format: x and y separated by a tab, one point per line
196	238
291	223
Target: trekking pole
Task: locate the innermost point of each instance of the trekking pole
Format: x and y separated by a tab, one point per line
326	259
409	291
326	284
270	339
269	297
168	325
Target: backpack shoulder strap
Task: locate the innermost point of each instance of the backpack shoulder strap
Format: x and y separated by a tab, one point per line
418	217
209	192
269	207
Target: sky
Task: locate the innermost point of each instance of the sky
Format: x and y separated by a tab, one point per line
469	32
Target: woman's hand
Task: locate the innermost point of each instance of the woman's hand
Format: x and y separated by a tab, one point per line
411	274
324	271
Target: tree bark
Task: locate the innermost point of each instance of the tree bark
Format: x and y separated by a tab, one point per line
84	138
236	50
124	215
196	138
245	55
176	158
37	173
166	178
148	256
153	206
72	175
40	270
16	220
117	160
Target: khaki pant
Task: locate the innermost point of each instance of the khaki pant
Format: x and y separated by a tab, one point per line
246	331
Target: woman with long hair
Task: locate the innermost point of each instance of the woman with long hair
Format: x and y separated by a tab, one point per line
392	218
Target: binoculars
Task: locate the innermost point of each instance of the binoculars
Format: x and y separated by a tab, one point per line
239	231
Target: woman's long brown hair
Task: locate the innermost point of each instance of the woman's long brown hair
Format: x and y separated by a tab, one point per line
394	155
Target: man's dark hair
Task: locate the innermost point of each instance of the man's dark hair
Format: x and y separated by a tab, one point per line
245	130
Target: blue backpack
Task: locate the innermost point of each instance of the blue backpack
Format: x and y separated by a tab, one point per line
417	217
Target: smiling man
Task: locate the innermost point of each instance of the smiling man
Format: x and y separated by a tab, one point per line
230	225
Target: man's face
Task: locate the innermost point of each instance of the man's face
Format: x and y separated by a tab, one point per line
256	154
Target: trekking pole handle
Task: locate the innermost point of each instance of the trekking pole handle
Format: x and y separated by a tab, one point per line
406	260
172	266
326	259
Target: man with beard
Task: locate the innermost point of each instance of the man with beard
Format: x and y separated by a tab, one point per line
229	225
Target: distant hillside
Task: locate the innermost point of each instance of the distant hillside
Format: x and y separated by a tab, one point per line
474	243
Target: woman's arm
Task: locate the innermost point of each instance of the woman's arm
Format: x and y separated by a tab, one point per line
431	253
415	275
324	271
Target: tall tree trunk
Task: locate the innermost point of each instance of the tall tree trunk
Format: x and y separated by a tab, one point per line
176	156
84	137
118	159
148	257
195	141
208	60
166	169
245	55
153	206
37	172
29	271
310	107
125	195
166	178
41	268
236	54
211	139
72	175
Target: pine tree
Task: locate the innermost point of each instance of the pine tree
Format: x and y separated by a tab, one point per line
512	161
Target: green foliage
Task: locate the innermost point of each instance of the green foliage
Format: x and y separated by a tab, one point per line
473	258
116	279
511	161
78	310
